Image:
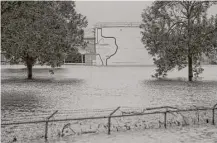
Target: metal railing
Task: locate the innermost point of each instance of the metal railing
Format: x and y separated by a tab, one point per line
167	109
117	24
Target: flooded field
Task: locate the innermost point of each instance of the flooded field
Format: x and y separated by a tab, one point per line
76	87
204	134
89	87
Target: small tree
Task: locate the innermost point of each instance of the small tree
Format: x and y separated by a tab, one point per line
40	31
177	33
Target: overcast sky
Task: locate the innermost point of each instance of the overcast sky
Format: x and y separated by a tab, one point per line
111	11
116	11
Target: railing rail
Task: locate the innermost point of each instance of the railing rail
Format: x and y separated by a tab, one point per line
101	117
168	110
117	24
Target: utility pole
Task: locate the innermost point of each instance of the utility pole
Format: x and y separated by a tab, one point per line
94	33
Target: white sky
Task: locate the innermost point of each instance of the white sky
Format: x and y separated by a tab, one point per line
116	11
111	11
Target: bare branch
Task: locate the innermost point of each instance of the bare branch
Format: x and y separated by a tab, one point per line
174	25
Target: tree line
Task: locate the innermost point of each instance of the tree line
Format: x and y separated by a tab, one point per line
40	31
176	33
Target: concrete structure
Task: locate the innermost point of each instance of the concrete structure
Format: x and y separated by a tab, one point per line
3	59
130	50
90	55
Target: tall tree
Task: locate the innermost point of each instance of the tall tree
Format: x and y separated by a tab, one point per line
40	31
177	33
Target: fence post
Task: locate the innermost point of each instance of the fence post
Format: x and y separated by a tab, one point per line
46	124
46	129
213	114
109	125
109	120
165	119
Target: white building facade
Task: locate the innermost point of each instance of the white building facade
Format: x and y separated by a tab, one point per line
130	50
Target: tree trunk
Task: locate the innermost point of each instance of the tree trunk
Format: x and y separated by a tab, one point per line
190	68
29	68
29	64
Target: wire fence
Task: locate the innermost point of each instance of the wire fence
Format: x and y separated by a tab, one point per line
76	122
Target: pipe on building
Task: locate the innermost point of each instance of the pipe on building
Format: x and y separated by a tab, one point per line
115	44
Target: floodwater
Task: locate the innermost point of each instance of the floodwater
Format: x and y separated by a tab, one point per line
195	134
94	87
90	87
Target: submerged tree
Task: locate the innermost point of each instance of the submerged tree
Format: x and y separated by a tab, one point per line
178	33
40	31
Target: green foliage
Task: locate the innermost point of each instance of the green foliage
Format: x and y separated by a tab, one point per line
40	31
74	57
176	31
